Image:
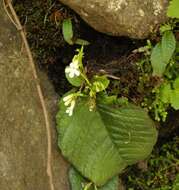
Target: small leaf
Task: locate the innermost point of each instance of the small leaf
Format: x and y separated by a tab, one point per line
174	100
157	62
75	81
176	83
176	183
105	99
67	31
165	93
82	42
99	83
168	46
77	182
165	27
173	9
122	101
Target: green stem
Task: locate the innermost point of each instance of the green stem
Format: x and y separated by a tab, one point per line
88	186
95	187
86	79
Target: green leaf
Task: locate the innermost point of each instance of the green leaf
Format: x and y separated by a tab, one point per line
67	31
176	83
157	62
105	99
174	99
112	184
165	93
162	53
173	9
165	27
176	183
75	81
81	42
77	182
168	46
99	83
101	143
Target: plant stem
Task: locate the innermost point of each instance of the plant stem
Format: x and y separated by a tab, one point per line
86	79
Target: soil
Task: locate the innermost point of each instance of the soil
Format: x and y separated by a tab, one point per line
53	54
42	22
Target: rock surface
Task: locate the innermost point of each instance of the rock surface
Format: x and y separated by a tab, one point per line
23	137
132	18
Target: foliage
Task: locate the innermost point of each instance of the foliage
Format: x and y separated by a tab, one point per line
159	70
106	139
162	170
77	182
162	53
160	65
67	30
109	134
170	93
176	183
39	33
173	9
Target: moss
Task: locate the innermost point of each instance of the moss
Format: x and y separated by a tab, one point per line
162	169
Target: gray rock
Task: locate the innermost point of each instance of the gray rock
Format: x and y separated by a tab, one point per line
23	137
132	18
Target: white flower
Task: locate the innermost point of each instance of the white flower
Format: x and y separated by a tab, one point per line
69	100
73	69
70	109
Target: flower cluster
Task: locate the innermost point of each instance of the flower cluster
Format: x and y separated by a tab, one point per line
76	75
73	69
69	101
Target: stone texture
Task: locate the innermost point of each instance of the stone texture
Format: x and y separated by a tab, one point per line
23	138
132	18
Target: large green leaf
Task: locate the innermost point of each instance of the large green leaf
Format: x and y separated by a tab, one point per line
77	182
101	143
157	62
168	46
173	10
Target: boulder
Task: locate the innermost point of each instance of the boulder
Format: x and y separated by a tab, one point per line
23	134
132	18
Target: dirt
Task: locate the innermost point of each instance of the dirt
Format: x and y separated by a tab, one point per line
53	54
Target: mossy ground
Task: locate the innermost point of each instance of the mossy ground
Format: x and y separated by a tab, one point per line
42	22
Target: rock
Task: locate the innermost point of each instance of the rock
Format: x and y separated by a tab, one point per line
132	18
59	165
23	136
